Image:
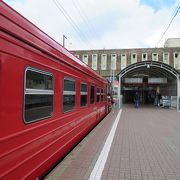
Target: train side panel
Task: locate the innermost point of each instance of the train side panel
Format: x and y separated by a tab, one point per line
29	149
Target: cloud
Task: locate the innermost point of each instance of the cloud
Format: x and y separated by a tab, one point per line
98	24
139	26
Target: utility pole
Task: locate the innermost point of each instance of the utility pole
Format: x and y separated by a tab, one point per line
64	38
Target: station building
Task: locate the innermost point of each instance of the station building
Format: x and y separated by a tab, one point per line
150	71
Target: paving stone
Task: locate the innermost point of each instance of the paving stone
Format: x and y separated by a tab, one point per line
146	146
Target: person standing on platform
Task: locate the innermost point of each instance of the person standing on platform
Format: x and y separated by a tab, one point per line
136	100
110	101
158	99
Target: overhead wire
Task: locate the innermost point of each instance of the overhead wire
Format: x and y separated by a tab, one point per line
168	26
85	18
80	34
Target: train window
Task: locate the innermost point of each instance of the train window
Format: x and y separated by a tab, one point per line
92	95
69	95
98	95
102	94
83	95
38	95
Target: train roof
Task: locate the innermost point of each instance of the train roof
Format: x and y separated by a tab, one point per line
18	26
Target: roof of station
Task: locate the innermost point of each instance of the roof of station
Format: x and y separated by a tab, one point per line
149	69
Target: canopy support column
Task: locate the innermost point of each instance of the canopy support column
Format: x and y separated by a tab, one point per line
119	92
178	92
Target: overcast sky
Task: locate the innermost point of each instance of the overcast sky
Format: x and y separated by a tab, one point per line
103	24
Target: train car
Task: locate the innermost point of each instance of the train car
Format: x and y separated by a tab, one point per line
49	99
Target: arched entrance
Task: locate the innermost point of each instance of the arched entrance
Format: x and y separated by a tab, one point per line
149	79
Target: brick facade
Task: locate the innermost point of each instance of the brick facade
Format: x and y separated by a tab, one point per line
128	53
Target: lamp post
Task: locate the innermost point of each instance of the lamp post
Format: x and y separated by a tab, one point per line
64	38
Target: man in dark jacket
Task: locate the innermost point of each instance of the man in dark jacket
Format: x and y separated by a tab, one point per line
136	100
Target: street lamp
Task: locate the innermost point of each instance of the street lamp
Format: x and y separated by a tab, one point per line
64	38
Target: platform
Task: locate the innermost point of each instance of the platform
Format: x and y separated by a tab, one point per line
145	146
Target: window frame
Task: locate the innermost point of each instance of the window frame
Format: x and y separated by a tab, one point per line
98	94
176	60
102	94
94	64
113	61
123	61
133	58
77	56
155	57
176	54
68	93
146	56
164	55
84	93
103	61
86	61
38	92
90	95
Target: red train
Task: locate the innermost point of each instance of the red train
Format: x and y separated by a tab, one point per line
49	99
